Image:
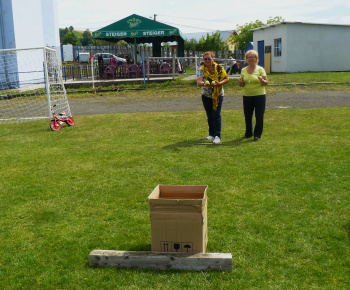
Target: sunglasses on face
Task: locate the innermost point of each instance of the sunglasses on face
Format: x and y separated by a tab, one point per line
207	58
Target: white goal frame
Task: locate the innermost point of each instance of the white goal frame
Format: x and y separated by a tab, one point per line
31	84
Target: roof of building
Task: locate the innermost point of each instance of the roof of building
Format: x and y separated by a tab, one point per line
304	23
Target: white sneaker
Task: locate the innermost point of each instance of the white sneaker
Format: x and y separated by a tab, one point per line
209	137
216	140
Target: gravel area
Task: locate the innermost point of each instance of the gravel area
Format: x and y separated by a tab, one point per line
123	104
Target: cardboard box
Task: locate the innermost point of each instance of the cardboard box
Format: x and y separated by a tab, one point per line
179	218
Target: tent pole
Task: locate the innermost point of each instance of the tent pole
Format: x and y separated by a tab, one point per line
135	51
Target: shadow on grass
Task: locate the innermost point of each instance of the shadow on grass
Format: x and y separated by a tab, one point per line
347	228
201	142
140	248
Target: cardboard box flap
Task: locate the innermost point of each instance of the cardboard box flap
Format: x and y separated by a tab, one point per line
179	192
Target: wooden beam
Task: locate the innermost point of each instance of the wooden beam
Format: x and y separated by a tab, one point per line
161	261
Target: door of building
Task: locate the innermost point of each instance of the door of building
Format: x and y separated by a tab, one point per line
268	59
261	52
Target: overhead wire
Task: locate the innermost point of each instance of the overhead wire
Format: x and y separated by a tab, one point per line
197	19
190	26
170	23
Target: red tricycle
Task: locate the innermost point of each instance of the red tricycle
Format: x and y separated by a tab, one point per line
56	122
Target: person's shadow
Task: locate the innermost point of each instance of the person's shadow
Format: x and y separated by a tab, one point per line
190	143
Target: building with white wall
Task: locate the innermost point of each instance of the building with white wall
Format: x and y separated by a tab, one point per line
302	47
29	23
26	24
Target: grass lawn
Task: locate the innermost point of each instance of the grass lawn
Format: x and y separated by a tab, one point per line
279	82
303	77
281	206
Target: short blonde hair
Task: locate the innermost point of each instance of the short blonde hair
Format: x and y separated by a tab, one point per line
209	53
252	51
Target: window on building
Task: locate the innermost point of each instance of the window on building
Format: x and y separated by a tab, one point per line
278	47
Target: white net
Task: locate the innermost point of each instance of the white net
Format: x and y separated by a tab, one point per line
30	83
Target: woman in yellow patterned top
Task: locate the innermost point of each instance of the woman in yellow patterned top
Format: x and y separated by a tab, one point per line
253	79
211	77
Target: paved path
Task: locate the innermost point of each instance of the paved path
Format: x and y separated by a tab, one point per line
124	104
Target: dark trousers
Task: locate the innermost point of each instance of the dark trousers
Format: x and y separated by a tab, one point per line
257	103
214	117
100	70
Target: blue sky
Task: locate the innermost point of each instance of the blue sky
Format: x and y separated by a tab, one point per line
194	16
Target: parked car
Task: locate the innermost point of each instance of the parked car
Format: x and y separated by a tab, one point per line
107	58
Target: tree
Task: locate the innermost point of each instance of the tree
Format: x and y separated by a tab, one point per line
122	43
63	33
212	42
245	36
191	44
71	38
71	28
86	38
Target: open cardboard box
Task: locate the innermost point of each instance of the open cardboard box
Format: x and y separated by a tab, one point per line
179	218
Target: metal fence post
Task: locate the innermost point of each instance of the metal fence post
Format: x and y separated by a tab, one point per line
92	72
173	69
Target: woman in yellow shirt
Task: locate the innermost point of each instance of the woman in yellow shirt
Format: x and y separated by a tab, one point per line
211	77
253	79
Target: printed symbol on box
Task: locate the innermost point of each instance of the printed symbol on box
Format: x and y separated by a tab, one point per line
177	246
165	246
187	247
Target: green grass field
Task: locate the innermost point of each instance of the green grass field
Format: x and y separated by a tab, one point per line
281	206
279	82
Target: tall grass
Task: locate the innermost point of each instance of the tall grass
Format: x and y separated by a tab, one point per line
280	205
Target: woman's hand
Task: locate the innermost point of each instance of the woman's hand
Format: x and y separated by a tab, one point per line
220	83
201	82
263	80
241	82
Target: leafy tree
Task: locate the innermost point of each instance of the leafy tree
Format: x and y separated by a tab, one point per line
122	43
274	20
71	28
245	36
86	38
71	38
63	33
212	42
191	44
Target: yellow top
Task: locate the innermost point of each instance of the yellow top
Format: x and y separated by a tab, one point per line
218	74
252	86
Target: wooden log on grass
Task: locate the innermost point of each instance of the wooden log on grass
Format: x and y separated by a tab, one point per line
161	261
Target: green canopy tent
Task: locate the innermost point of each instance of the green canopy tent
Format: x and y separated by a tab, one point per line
136	29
